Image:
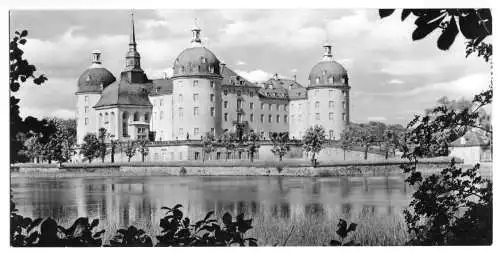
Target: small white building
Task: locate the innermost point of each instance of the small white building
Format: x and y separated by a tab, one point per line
474	147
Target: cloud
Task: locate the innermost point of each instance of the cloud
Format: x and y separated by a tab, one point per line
396	81
376	118
254	75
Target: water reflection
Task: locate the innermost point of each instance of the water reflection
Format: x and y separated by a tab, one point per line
126	201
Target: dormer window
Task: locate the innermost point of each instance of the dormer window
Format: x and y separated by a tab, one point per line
88	78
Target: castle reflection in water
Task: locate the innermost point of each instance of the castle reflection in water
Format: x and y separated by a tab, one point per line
128	201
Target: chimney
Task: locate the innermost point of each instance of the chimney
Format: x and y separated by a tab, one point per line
96	58
276	76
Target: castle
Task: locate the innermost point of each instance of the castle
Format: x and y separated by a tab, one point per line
204	95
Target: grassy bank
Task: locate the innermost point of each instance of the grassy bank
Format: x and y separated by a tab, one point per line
372	230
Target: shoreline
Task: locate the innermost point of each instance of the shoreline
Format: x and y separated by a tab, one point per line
297	168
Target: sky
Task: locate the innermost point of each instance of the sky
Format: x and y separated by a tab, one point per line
392	77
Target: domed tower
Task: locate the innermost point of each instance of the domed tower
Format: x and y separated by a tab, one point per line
90	86
328	95
196	91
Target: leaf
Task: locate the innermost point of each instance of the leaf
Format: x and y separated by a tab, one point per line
22	41
99	233
448	36
405	13
352	227
24	33
94	223
177	206
424	29
34	224
385	12
209	214
342	228
227	219
335	243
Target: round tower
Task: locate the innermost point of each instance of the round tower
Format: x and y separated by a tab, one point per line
328	95
90	85
196	91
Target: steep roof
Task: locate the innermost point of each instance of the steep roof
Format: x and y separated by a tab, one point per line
229	77
161	87
125	93
470	139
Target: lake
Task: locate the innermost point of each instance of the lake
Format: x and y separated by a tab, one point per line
271	201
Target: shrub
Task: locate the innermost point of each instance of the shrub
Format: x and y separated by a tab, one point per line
182	171
177	230
131	237
343	232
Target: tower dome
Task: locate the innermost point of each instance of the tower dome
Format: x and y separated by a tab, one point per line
196	60
95	78
328	72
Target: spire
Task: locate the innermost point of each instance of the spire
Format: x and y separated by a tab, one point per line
327	56
196	41
132	43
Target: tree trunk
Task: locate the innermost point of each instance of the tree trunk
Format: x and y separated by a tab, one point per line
142	157
129	158
281	158
313	160
386	154
112	155
251	157
90	160
366	152
344	154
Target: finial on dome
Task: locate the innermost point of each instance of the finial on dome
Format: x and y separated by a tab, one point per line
196	41
327	56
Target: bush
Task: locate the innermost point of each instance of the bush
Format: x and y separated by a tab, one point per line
343	232
131	237
182	171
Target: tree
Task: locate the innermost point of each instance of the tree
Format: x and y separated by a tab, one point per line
60	145
33	148
313	141
19	72
228	142
113	144
280	144
90	146
346	139
365	135
102	143
453	207
143	148
252	144
208	143
130	149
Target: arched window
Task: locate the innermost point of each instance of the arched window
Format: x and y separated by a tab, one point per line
317	80
146	117
136	116
112	121
106	118
125	124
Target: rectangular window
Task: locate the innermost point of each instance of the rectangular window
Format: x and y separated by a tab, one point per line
262	106
251	117
316	105
344	93
196	155
330	116
196	131
285	107
262	118
225	104
330	104
317	116
86	121
225	92
251	94
181	113
239	104
212	130
218	156
225	116
212	111
179	100
285	118
269	118
86	99
330	93
86	109
195	83
212	97
269	106
344	117
277	107
212	84
196	111
195	97
277	119
331	134
251	105
161	101
343	104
